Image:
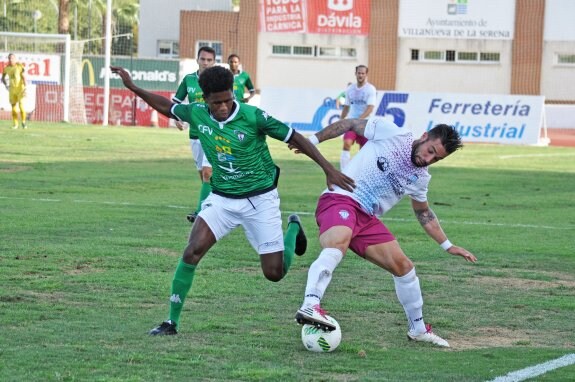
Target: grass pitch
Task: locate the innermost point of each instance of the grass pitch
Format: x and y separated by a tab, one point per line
92	224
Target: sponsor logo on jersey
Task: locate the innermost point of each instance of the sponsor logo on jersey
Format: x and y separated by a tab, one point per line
382	164
344	214
395	184
223	157
265	115
205	128
412	179
230	169
191	89
220	138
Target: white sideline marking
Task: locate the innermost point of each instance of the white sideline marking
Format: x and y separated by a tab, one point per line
536	155
534	371
303	213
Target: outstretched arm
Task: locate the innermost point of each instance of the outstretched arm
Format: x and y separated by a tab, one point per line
431	225
340	127
334	130
334	177
161	104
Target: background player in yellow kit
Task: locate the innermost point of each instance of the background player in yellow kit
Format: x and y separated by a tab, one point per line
16	88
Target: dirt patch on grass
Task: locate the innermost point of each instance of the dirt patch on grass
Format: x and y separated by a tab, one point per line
488	338
522	283
161	252
13	169
492	337
82	268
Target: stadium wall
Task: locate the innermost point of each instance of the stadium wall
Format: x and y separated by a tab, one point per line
527	64
160	21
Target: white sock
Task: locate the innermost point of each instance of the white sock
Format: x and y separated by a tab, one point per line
344	159
409	295
319	275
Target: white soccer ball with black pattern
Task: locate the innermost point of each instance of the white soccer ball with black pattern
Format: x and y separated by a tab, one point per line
321	341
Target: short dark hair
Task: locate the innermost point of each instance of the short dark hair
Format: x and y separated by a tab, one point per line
232	56
362	66
449	137
216	79
207	49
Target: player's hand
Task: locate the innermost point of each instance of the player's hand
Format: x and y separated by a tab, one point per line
458	251
337	178
179	125
294	148
124	75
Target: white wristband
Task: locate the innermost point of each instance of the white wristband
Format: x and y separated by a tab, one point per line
446	245
313	139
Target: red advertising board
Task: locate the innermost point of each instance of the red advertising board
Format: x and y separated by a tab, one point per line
125	108
282	16
346	17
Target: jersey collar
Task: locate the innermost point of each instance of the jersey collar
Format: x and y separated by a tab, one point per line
230	118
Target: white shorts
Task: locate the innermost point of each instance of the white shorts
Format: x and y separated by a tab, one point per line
259	215
198	154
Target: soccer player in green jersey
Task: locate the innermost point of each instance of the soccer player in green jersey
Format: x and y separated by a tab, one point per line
190	88
242	80
244	181
16	88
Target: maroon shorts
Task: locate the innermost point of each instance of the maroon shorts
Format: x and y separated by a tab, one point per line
340	210
352	136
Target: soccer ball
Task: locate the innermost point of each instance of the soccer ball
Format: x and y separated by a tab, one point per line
321	341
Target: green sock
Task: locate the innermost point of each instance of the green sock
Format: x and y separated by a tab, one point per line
204	192
289	245
181	285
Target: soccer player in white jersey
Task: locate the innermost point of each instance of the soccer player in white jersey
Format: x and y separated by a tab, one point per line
391	165
359	103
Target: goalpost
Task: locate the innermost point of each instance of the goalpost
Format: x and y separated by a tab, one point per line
53	74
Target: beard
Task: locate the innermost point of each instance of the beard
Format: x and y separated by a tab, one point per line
417	162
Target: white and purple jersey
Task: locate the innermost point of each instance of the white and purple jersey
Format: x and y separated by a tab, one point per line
359	98
383	170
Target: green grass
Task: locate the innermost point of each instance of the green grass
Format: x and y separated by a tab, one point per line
92	225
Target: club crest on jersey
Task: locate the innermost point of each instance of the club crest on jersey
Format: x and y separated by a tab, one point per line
344	214
240	135
382	164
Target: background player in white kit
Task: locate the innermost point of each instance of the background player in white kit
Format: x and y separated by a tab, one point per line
391	165
359	103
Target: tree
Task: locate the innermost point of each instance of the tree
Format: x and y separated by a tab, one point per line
64	17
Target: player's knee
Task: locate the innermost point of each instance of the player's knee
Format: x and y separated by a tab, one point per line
347	145
274	275
192	254
404	266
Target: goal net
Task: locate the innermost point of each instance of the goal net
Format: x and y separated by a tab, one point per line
53	72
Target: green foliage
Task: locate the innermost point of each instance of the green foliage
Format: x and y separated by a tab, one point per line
86	21
92	223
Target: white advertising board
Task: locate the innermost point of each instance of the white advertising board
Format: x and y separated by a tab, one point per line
507	119
40	68
465	19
